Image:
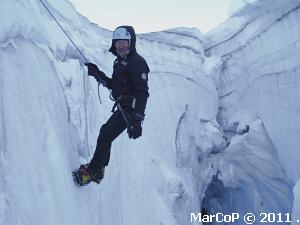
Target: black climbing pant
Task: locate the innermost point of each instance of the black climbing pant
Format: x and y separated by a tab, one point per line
108	133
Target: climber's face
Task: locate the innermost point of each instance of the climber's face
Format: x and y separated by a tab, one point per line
122	47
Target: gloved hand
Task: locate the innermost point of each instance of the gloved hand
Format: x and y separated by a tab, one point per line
95	72
134	128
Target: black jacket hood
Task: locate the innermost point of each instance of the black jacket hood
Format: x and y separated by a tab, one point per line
132	41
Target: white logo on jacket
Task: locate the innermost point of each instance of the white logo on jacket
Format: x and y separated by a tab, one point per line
144	76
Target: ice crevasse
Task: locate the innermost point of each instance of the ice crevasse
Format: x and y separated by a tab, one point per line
221	124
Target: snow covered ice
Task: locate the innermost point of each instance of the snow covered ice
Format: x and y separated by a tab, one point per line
221	132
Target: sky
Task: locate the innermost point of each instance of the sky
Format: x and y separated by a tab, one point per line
154	15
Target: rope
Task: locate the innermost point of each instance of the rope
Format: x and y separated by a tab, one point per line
64	31
71	42
99	93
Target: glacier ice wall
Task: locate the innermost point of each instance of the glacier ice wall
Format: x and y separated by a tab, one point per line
260	48
296	207
50	119
246	177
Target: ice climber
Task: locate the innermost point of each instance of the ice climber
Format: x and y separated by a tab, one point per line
129	89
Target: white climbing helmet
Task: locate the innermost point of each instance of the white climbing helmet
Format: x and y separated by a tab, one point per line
121	33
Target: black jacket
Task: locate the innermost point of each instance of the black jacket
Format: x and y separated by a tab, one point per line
130	77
